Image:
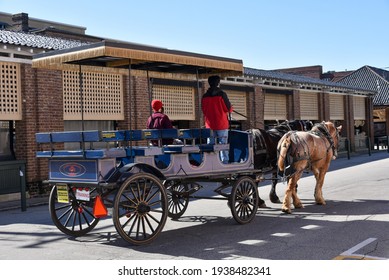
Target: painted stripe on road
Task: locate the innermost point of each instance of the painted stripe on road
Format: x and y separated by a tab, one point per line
349	254
359	246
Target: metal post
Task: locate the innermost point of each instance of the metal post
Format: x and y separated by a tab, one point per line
387	143
23	200
81	98
130	101
368	145
348	147
149	92
199	113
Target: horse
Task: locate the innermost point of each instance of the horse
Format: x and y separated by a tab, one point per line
300	151
265	150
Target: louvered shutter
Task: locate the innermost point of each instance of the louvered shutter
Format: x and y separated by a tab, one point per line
336	107
359	108
275	107
309	108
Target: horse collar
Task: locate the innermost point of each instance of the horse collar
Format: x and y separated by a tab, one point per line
324	131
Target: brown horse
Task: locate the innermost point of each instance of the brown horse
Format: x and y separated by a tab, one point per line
265	150
313	150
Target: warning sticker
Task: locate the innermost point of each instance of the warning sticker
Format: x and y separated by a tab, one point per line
62	193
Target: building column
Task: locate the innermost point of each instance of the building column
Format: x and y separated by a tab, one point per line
295	108
258	107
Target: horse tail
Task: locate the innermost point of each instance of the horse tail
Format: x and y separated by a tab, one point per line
282	150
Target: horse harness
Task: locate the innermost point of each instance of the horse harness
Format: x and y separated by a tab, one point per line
321	132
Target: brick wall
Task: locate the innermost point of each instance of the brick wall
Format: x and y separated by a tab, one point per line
257	111
42	111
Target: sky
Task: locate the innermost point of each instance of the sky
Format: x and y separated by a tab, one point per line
339	35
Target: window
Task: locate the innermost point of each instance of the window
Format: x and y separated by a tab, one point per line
178	101
102	96
10	94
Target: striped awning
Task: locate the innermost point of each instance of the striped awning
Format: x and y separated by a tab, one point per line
120	56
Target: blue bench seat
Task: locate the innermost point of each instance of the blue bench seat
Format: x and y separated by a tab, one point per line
68	136
186	149
214	147
60	154
143	151
106	153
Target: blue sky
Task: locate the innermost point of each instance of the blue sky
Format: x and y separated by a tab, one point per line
265	34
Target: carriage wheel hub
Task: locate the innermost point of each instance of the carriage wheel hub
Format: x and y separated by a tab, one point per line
246	200
143	208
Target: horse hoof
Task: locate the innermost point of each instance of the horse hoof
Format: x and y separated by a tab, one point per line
287	211
261	205
275	200
299	206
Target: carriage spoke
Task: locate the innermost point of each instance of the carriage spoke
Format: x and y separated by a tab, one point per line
244	196
143	201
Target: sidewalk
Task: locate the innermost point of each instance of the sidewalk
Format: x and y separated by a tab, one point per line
30	202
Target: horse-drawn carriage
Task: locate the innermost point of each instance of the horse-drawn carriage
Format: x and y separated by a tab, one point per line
144	184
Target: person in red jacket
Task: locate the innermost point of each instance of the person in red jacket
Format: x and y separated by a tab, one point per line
158	120
216	106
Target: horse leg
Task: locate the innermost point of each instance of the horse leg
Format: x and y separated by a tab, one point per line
319	175
296	200
273	195
261	203
290	193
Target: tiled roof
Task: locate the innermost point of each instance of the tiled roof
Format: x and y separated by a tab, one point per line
37	41
371	78
269	74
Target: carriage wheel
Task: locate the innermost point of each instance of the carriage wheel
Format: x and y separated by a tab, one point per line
140	209
244	200
177	201
74	218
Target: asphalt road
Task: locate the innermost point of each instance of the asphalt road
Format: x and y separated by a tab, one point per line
353	225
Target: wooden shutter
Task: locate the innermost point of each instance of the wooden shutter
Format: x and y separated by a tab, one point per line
10	93
239	102
275	106
102	96
309	107
179	101
359	108
336	107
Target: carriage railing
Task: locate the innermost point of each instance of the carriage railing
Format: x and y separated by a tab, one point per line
120	143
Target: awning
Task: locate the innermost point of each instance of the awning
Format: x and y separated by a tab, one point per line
118	57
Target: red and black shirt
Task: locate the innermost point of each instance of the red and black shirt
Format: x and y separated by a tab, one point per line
215	105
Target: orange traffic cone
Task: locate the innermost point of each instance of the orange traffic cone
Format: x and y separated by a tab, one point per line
99	209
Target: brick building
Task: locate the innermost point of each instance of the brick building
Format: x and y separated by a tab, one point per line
35	99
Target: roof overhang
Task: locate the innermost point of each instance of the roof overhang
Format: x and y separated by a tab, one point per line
113	56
